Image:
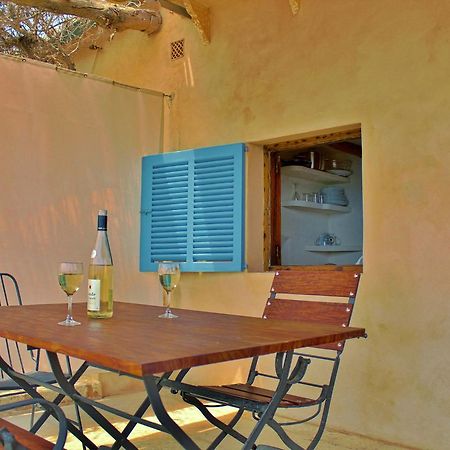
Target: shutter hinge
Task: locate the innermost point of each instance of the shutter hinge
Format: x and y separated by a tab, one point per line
246	149
146	212
277	252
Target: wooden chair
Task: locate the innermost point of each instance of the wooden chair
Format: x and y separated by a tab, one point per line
283	304
13	437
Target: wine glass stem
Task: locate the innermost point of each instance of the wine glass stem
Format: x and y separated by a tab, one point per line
169	294
69	307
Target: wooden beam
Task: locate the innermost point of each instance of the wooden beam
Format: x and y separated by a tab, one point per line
176	8
295	6
106	14
346	147
198	12
312	141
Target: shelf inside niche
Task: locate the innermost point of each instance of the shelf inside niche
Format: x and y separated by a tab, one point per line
320	207
333	248
318	176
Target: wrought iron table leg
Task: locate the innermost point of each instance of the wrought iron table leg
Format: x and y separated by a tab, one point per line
166	421
226	429
87	408
223	434
139	413
58	399
130	426
32	392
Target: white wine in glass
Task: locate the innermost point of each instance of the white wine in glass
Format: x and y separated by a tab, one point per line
169	277
70	277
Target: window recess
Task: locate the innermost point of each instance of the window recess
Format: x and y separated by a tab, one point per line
314	188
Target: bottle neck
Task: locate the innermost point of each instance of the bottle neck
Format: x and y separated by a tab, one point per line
102	223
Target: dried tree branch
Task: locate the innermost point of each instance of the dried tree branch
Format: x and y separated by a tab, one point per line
104	13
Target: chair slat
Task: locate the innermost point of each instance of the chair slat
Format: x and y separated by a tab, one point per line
288	398
323	283
260	395
309	311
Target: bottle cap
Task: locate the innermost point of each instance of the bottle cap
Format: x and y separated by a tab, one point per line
102	220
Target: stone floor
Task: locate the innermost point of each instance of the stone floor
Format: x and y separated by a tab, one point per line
201	432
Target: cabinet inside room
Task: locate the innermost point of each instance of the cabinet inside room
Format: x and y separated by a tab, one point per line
320	203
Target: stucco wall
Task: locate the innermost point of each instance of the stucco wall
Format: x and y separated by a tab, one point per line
71	145
385	65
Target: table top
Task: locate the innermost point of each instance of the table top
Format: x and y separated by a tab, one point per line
137	342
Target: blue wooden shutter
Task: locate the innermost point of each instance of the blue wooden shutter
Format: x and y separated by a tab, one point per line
192	209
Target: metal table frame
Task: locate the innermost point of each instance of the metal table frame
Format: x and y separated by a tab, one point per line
153	386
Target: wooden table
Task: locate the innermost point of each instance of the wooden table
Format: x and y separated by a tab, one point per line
138	343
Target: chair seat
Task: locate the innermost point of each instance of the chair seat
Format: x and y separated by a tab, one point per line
9	385
260	395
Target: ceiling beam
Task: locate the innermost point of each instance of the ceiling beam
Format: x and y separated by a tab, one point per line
196	11
176	8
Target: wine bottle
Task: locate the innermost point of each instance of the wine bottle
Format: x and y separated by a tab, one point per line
100	286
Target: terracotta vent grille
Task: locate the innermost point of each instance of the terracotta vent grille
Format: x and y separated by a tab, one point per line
177	49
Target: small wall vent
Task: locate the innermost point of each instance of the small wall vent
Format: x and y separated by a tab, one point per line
177	49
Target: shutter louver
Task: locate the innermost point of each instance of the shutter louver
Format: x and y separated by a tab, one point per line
192	209
169	208
213	210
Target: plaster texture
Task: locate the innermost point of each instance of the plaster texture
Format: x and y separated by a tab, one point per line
385	65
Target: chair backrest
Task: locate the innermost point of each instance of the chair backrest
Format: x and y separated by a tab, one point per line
331	284
13	353
9	290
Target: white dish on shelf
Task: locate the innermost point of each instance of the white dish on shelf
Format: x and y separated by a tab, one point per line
340	172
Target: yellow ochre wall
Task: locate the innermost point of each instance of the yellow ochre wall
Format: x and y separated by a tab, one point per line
267	73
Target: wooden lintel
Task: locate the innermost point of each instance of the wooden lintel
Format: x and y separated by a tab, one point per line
346	147
295	6
312	141
199	14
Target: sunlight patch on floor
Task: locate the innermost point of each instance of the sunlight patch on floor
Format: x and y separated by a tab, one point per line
183	417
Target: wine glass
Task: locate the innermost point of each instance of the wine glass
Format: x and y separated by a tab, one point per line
70	276
169	277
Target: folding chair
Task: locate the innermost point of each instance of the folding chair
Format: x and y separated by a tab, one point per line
20	357
13	437
249	397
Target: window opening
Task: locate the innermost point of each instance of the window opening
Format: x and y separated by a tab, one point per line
316	201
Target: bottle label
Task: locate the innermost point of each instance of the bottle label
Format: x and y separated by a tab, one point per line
94	295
